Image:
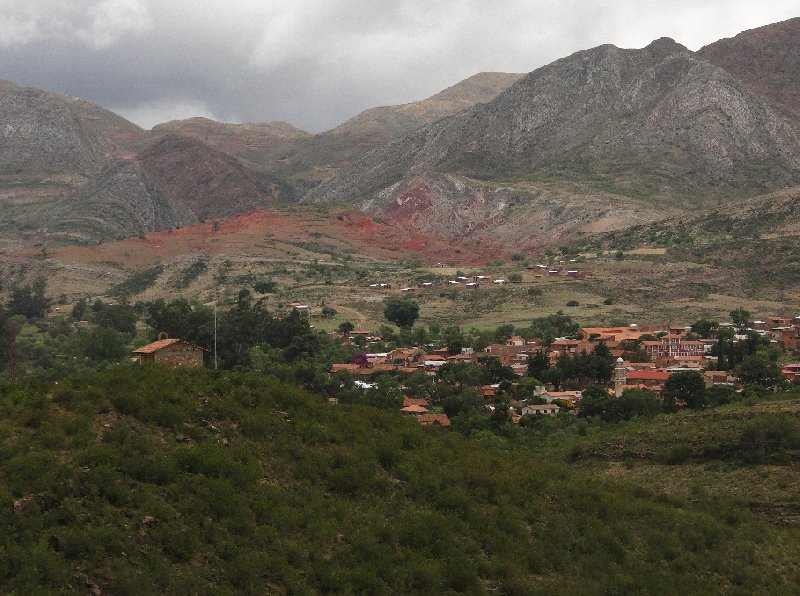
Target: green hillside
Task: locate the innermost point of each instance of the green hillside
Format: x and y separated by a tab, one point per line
146	480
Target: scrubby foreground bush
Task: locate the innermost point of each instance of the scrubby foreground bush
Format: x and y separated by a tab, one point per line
136	481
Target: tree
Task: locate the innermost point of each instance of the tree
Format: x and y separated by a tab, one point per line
403	312
760	368
103	344
687	387
496	370
345	327
29	300
78	309
704	327
453	338
463	374
121	317
538	364
740	318
596	401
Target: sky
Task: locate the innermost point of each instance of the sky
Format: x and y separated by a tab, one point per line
316	63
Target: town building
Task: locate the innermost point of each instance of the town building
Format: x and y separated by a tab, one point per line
170	352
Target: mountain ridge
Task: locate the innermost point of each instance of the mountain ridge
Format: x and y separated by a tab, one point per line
655	124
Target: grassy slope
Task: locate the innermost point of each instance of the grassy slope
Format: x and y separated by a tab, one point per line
148	480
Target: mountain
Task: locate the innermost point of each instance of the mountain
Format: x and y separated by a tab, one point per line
321	156
121	201
48	133
305	159
657	124
766	59
260	145
207	182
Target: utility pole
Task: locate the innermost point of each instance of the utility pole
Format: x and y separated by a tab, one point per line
216	294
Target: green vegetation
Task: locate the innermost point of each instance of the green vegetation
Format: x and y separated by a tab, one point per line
137	283
147	480
401	311
183	279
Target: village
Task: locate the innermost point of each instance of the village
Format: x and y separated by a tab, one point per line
643	358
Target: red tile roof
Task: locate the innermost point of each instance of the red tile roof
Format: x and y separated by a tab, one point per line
414	401
440	419
414	409
648	375
163	343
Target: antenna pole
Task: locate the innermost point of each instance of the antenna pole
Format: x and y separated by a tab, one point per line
215	325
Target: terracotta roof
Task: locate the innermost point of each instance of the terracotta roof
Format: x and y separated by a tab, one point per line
648	375
414	409
414	401
161	344
440	419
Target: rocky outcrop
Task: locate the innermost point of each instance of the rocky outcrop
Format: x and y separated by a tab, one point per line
767	60
207	182
656	124
120	202
48	133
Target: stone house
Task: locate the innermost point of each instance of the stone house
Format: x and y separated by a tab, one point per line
170	352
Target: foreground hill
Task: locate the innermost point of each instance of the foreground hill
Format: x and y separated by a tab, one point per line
766	59
47	133
143	480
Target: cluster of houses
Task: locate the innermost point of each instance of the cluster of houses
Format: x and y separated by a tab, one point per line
475	281
555	271
472	282
669	349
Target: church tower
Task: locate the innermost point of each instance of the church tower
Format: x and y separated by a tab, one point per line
619	376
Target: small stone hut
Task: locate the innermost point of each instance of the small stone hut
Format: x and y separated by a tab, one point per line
170	352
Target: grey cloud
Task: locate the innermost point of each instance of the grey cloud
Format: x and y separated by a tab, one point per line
317	62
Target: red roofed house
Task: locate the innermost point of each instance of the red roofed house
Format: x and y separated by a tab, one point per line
791	372
170	352
414	410
652	379
434	420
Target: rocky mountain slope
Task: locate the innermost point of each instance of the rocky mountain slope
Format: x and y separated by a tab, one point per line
766	59
119	202
57	152
48	133
261	145
305	159
601	140
655	123
207	182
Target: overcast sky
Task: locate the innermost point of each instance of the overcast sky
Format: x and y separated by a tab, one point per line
316	63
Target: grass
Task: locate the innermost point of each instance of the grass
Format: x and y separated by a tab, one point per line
147	480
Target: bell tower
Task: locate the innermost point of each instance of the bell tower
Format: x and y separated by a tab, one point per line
619	376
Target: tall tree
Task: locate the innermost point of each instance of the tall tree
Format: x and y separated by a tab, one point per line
687	387
29	300
403	312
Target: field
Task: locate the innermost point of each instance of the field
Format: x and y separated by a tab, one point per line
329	256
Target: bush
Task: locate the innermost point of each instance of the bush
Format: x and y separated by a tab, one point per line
769	438
678	454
